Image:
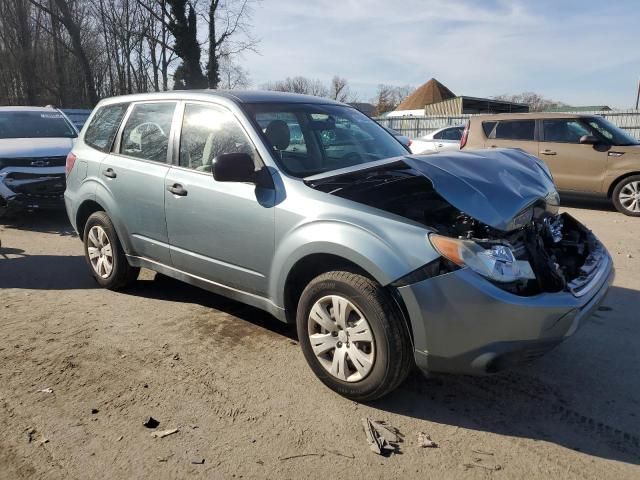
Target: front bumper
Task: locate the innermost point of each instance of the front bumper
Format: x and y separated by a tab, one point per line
463	323
25	188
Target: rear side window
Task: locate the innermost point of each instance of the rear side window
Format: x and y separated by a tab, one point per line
449	134
488	127
146	133
103	127
515	130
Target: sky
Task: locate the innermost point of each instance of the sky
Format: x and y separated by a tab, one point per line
578	52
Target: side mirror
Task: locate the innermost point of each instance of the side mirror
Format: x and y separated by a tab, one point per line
589	140
234	167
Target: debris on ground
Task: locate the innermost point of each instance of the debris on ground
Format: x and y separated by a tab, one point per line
197	461
94	411
424	441
120	437
493	468
164	433
46	390
151	422
301	455
30	433
44	440
382	438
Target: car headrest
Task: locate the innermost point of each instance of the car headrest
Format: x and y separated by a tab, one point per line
278	134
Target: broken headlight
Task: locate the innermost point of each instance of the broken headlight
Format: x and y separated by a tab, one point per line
496	263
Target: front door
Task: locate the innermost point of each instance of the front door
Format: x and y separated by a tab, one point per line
135	173
220	231
575	167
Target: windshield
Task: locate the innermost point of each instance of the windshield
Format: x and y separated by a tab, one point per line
308	139
24	124
613	134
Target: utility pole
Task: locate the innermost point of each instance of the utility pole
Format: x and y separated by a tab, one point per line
638	95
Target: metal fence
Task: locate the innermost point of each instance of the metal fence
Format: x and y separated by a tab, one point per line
415	127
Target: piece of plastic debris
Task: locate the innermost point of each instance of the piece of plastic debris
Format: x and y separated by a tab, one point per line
47	390
165	433
380	437
494	468
197	461
151	422
424	441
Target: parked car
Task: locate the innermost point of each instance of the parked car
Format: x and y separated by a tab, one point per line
78	116
447	138
459	263
585	153
403	139
34	143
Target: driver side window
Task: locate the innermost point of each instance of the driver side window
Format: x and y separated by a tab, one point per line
146	134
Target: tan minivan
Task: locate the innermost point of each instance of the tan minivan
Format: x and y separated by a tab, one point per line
585	153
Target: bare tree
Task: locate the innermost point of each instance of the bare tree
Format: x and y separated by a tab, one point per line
232	75
535	101
299	84
339	89
388	97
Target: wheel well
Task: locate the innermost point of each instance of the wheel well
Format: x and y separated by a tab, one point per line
84	212
305	270
615	183
309	267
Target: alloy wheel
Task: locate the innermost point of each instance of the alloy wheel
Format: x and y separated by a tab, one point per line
100	251
629	196
341	338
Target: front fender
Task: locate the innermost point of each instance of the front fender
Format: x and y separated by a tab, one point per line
384	260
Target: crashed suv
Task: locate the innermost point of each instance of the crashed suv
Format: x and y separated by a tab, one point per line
457	262
34	143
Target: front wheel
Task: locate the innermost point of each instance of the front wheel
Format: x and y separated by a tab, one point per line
626	196
104	254
353	336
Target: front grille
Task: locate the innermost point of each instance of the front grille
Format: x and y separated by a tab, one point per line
33	162
36	186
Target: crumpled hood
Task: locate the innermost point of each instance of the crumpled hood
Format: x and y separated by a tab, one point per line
492	186
35	147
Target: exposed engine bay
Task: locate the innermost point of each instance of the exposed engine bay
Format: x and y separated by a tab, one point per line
557	251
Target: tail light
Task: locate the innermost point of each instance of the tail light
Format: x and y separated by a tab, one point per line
71	161
465	136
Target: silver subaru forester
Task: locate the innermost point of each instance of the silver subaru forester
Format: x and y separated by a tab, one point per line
457	262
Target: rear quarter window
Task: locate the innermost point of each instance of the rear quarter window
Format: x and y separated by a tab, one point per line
488	127
102	130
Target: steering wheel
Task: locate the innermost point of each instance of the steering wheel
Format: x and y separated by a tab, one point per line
146	128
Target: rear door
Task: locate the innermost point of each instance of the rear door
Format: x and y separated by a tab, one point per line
575	167
134	173
512	134
220	231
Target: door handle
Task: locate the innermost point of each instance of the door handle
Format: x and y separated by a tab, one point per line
494	146
548	152
440	145
178	189
109	173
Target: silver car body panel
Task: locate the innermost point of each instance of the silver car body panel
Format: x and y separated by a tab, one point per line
243	241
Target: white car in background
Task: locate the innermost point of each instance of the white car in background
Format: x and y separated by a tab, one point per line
447	138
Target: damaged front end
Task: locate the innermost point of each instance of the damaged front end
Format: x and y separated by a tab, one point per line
495	212
31	183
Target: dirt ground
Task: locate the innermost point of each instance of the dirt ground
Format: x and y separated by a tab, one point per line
235	384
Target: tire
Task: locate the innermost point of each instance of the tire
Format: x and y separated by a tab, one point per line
383	363
626	196
99	234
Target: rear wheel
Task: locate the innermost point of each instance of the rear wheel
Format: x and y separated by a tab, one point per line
353	336
104	254
626	196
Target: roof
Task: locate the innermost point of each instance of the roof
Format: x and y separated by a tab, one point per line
237	96
532	115
431	92
585	108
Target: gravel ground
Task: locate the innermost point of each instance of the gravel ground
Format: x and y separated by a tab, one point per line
235	384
